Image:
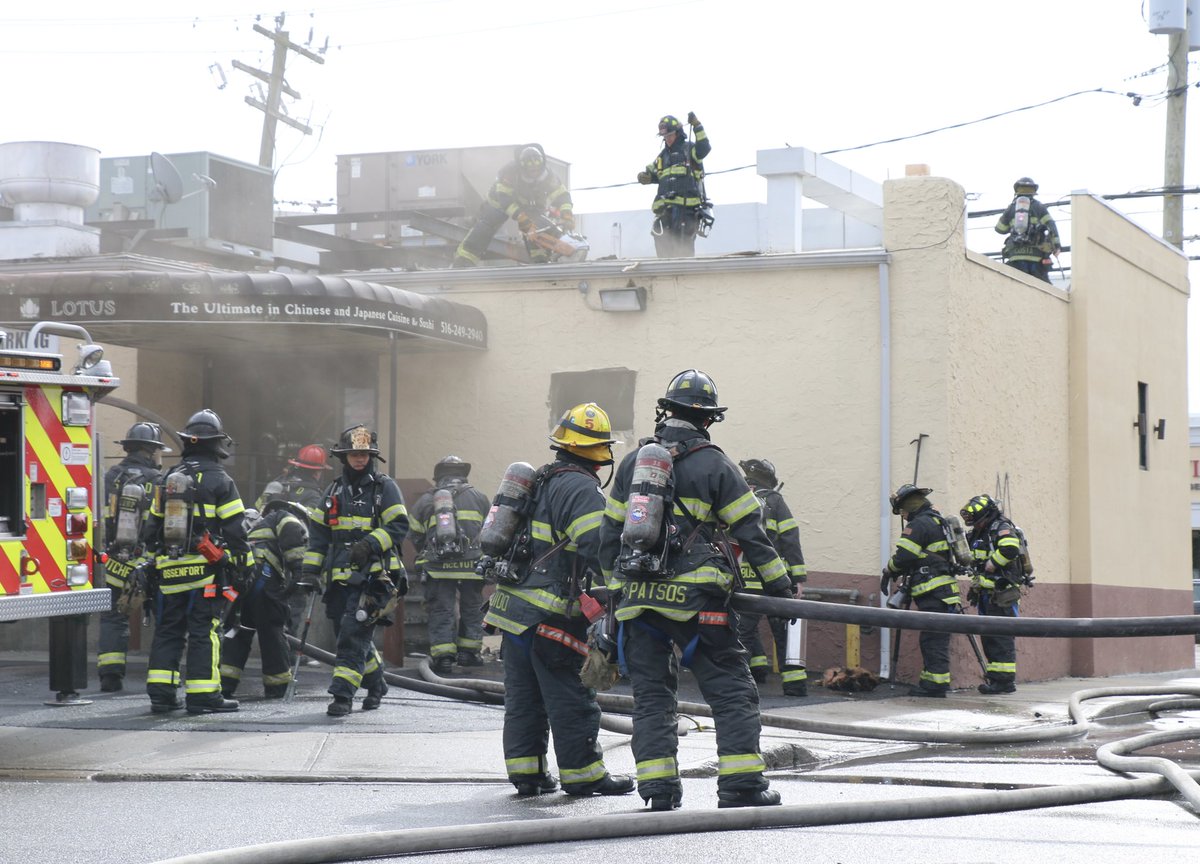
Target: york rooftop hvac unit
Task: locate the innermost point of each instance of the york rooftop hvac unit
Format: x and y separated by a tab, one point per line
449	184
224	205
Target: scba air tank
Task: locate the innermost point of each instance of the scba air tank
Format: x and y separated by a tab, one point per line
445	531
958	542
508	512
648	493
129	515
177	510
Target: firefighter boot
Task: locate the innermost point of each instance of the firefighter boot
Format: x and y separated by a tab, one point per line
612	784
931	692
219	705
537	786
443	665
111	683
759	673
997	685
274	691
666	801
795	688
469	658
374	697
161	707
339	707
748	798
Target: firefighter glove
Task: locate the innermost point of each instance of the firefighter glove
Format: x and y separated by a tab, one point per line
693	120
644	178
568	221
781	587
524	223
401	584
885	581
360	554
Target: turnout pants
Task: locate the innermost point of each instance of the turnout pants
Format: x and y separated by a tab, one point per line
455	616
1000	651
358	664
760	657
935	647
266	613
474	245
113	642
543	694
717	661
186	621
674	231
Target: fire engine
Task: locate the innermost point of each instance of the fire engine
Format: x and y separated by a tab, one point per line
49	501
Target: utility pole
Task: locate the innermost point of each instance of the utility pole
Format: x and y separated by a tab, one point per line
1177	87
272	108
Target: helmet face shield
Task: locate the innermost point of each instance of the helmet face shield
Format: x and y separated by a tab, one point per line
532	162
981	508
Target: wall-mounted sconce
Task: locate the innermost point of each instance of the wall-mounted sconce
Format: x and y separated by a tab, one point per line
631	299
1160	428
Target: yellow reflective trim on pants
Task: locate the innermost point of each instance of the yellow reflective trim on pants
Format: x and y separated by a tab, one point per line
276	680
758	660
468	644
657	769
348	675
523	765
743	763
442	648
111	658
588	774
163	676
1008	668
212	683
228	671
936	677
788	675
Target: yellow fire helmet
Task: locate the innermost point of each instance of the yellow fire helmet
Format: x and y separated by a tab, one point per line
585	430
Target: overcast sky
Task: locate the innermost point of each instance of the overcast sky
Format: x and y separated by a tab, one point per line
589	79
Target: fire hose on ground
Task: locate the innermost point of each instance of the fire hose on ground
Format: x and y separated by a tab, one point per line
1112	756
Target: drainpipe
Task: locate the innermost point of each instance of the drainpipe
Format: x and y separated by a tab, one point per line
885	452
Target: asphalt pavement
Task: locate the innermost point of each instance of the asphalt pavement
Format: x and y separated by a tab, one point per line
453	750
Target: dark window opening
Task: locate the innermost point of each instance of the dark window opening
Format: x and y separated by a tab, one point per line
12	466
1143	425
611	389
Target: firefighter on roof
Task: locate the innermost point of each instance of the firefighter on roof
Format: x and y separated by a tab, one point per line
548	531
784	534
1032	235
445	533
665	548
524	189
353	545
680	207
202	560
922	566
126	565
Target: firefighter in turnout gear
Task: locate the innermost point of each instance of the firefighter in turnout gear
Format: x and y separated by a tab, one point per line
126	564
302	483
524	188
921	567
680	208
784	534
995	584
536	606
354	544
676	594
278	538
202	562
1032	235
445	533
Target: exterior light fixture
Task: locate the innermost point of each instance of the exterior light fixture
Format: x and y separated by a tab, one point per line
631	299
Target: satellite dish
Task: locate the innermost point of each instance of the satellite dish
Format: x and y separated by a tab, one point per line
168	185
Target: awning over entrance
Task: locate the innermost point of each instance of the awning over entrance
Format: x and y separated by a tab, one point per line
206	310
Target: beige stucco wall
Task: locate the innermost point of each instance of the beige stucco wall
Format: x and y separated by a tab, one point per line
1130	326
